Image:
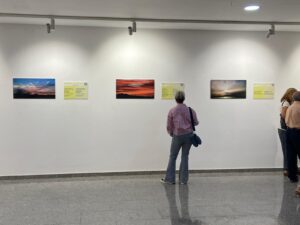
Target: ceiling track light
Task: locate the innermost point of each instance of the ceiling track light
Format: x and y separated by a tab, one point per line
51	26
133	26
252	8
271	31
132	29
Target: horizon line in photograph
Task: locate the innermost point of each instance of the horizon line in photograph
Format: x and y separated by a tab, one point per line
135	88
34	88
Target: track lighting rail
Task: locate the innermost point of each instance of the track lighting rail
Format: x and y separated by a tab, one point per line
96	18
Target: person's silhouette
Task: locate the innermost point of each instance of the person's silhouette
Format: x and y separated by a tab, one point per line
290	206
176	218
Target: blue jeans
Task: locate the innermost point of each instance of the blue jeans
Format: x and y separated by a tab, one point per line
178	142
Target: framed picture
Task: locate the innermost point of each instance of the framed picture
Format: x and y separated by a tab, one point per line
34	88
134	89
228	89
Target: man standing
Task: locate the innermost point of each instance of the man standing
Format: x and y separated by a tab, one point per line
293	138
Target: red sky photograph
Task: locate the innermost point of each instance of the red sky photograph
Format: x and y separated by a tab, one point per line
135	89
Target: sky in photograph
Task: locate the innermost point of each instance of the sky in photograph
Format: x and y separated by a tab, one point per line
136	87
35	86
228	85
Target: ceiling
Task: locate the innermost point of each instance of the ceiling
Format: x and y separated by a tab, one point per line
271	10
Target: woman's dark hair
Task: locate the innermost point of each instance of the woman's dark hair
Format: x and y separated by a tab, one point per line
179	96
288	95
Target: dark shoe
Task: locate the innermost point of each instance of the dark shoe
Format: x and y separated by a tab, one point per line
166	182
295	180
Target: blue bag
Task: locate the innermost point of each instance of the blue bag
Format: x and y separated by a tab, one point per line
196	140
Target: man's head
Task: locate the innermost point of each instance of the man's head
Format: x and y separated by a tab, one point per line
179	96
296	96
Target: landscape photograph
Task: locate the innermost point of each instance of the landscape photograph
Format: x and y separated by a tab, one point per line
34	88
134	89
228	89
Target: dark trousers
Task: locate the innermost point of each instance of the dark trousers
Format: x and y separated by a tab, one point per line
282	136
293	150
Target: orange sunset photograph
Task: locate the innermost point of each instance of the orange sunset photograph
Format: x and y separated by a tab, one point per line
134	89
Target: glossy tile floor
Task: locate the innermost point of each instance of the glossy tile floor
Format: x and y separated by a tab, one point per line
209	199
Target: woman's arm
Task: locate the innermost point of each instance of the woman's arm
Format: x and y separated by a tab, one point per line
170	127
196	122
283	112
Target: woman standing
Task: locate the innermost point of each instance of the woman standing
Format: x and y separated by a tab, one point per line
180	128
286	101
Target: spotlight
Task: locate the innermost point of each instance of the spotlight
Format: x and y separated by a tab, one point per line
132	28
271	31
251	8
51	26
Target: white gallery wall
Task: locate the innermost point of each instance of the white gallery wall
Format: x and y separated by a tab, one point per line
105	134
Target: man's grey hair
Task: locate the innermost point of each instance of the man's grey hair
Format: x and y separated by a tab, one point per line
296	96
179	96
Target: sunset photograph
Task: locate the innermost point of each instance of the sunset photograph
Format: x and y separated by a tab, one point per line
228	89
34	88
134	89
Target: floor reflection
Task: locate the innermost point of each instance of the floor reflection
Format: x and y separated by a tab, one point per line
184	218
290	207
